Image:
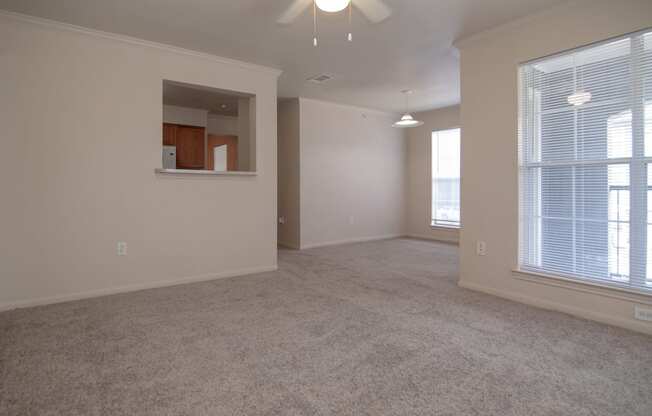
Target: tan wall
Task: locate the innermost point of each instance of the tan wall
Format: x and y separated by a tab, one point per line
420	175
81	119
222	125
353	174
187	116
288	173
489	153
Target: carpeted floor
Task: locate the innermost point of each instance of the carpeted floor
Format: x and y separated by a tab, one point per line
366	329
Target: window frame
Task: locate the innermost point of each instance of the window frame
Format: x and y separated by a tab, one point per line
638	164
431	219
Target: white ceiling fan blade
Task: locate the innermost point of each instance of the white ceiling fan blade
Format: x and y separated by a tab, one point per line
296	8
374	10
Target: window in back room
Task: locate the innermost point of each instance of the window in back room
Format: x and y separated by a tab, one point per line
446	178
206	129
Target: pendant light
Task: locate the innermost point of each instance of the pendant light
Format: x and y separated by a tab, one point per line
407	120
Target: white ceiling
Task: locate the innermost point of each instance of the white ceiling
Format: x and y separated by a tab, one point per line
191	96
410	50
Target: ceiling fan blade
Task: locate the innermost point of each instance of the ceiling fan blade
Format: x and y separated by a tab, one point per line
296	8
374	10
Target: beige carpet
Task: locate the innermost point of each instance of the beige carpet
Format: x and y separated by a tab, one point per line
367	329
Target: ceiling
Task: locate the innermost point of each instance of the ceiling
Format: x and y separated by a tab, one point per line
192	96
410	50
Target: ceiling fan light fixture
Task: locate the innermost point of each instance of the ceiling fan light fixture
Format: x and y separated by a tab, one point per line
332	6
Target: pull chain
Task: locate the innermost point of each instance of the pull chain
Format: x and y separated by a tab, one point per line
350	37
314	23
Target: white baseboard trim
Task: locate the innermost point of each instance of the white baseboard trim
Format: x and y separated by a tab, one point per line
432	238
631	324
27	303
351	241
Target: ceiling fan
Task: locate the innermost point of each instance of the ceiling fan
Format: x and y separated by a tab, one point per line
374	10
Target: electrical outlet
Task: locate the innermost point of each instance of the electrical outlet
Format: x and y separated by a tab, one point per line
122	248
481	248
642	314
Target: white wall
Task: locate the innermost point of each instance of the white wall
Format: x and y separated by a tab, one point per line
289	173
420	174
353	174
186	116
489	64
79	177
222	125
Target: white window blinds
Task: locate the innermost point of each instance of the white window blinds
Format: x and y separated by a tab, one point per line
585	163
446	178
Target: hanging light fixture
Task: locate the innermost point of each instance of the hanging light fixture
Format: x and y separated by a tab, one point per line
579	97
332	6
407	120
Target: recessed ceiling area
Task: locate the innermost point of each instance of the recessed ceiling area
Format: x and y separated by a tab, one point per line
412	49
185	95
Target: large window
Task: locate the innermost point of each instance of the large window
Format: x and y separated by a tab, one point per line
446	178
585	156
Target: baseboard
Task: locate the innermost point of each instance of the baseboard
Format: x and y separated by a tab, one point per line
351	241
5	306
431	238
630	324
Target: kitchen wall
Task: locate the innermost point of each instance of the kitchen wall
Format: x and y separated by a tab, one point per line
419	199
222	125
489	63
79	177
186	116
353	182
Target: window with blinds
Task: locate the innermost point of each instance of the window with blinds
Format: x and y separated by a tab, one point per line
585	163
446	178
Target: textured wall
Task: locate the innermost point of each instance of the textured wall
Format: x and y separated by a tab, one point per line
353	174
81	117
489	63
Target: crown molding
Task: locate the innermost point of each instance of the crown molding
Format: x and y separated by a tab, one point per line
136	41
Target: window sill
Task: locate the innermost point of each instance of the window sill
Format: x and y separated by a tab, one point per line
202	172
445	227
595	288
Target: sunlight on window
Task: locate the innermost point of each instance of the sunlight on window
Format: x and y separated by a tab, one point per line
446	178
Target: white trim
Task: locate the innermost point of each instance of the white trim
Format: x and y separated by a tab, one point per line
26	303
136	41
454	241
203	172
631	324
587	286
351	241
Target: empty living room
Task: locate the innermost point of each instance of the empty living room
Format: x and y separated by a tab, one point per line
326	207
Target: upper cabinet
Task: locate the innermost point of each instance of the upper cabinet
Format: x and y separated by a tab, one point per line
169	134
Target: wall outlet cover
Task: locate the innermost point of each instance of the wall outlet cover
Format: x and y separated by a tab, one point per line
643	314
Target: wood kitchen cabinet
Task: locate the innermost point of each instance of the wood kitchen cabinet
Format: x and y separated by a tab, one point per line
169	134
190	144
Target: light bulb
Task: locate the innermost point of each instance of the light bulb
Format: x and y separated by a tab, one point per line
332	6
